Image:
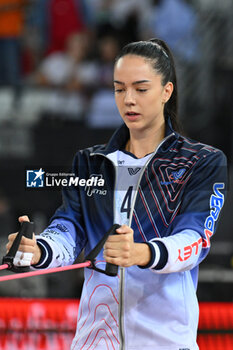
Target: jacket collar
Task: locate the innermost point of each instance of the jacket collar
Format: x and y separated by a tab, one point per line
121	136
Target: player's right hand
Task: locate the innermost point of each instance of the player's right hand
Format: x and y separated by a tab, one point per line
28	252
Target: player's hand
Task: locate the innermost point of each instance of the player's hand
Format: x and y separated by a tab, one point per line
121	250
28	252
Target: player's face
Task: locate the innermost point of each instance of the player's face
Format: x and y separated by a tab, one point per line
139	93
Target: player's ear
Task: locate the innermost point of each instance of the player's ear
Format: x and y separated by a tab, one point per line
167	91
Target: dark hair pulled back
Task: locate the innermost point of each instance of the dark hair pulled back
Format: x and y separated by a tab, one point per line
162	61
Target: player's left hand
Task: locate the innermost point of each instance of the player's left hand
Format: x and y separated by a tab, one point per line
121	250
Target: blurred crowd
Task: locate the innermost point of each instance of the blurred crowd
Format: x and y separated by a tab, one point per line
31	30
67	47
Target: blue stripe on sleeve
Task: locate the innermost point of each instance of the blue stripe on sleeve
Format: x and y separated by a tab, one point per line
46	255
163	256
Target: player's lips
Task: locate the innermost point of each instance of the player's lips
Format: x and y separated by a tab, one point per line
131	115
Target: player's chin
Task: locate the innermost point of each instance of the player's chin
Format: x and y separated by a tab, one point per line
134	125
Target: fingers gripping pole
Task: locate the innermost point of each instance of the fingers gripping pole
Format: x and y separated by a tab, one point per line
26	230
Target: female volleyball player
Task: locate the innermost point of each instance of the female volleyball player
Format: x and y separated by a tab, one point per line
165	190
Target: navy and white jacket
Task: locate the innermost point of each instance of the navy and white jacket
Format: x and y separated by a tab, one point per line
179	198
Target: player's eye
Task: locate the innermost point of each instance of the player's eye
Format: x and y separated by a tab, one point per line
118	90
142	90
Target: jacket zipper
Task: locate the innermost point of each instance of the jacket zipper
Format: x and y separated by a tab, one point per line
122	269
121	317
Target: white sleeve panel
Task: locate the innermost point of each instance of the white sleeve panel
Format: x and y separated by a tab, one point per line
58	244
184	250
59	255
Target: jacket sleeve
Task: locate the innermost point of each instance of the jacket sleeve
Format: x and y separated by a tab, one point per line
63	240
188	241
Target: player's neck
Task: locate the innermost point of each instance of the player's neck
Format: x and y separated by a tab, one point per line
141	144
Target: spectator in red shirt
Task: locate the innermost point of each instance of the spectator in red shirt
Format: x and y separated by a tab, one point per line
11	29
65	17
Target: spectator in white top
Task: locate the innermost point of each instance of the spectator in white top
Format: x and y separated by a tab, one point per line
66	74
